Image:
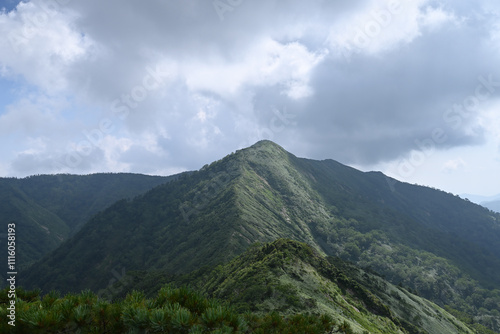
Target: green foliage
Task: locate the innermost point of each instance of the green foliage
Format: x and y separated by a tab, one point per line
288	277
85	313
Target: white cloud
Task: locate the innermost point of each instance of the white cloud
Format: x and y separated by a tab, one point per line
377	27
41	42
453	165
267	63
36	118
437	17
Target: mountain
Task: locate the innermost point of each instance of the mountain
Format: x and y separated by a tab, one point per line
292	277
444	248
47	209
492	205
490	202
479	198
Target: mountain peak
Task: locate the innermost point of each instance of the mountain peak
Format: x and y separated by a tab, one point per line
267	145
265	150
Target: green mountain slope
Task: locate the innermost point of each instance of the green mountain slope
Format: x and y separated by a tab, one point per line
48	209
38	230
443	247
290	277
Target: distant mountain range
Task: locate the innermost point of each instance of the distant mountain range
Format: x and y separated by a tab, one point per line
490	202
433	243
492	205
47	209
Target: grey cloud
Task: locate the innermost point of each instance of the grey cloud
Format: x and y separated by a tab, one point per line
365	109
373	109
73	162
195	27
143	161
131	35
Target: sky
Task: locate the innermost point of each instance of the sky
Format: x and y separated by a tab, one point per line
409	88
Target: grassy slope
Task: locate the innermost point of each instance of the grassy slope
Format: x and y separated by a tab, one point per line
405	305
434	242
291	277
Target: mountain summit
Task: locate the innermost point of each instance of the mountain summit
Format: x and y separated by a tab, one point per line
435	243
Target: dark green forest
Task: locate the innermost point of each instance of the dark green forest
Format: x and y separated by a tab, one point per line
48	209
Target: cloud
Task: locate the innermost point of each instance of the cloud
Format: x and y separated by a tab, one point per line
179	84
44	162
35	115
434	18
269	63
453	165
41	43
376	27
374	108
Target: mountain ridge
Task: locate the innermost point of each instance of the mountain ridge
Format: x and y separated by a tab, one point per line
431	241
291	277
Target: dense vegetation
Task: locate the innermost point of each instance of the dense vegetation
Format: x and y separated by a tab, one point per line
47	209
291	277
401	300
172	310
436	244
280	287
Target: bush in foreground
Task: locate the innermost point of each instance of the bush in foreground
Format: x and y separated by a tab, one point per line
173	310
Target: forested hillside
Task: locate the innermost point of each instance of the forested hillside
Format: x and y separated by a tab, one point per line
47	209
